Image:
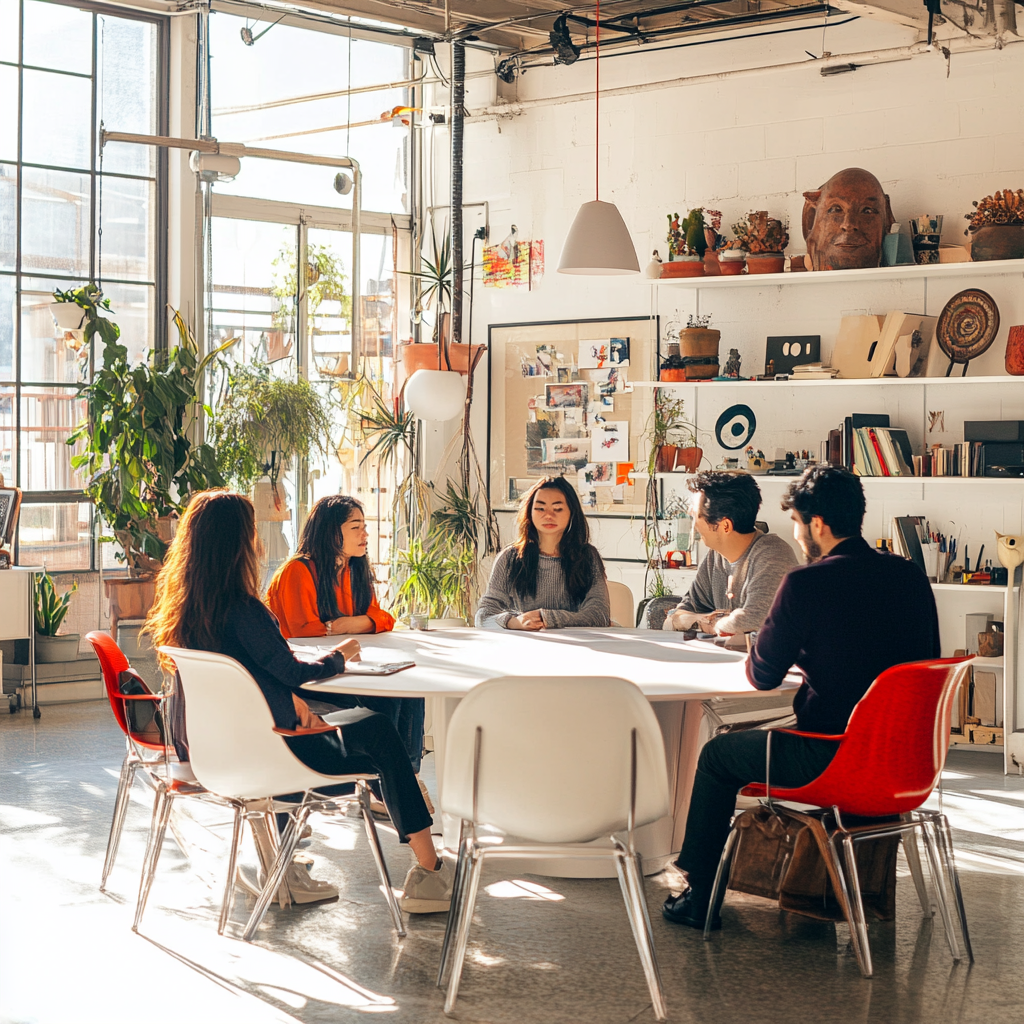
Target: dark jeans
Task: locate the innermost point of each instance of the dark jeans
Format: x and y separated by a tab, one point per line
404	713
369	746
727	764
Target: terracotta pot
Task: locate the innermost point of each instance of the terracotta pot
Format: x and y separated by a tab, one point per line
990	645
766	263
998	242
729	268
712	265
683	268
424	357
1014	352
671	457
703	370
675	375
699	341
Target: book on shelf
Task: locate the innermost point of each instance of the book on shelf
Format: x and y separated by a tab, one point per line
881	451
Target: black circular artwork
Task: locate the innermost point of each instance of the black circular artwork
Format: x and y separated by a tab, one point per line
735	427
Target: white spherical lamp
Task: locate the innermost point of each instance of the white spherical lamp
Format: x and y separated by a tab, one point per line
436	394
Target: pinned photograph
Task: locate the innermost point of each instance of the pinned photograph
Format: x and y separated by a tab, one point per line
567	374
566	396
618	351
572	451
610	441
594	354
596	474
518	486
608	381
622	471
588	499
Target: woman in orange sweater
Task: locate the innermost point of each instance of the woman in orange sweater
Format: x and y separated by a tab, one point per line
327	590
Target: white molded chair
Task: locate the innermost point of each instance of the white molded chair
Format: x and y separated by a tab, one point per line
239	756
620	597
560	762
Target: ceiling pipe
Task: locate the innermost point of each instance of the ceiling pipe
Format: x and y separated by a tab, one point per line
457	150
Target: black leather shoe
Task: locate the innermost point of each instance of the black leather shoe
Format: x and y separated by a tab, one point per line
690	909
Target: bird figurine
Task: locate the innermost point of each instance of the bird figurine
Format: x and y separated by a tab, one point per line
1010	547
653	270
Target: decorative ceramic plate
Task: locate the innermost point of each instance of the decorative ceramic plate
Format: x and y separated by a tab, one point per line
967	325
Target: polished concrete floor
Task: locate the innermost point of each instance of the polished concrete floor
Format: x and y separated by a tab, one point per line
542	949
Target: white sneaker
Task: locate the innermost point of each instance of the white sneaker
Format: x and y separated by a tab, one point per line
428	892
301	886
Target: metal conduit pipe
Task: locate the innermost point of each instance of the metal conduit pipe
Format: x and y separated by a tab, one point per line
457	141
862	58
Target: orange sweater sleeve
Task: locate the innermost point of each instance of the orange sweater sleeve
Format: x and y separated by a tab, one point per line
383	622
292	598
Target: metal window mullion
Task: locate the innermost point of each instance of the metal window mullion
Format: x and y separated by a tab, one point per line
19	189
92	157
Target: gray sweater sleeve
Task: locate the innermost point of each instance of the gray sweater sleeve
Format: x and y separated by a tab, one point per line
498	604
594	610
769	561
700	597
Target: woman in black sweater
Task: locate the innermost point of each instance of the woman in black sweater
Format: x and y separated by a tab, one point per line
207	599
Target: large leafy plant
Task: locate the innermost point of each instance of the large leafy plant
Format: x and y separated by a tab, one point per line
141	462
264	421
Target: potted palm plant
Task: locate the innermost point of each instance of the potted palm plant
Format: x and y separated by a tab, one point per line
51	610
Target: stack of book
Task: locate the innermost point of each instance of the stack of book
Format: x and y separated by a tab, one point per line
881	451
966	459
813	371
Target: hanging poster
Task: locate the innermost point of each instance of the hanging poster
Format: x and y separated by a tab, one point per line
594	354
566	396
610	441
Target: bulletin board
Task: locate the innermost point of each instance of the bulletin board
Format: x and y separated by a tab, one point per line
562	404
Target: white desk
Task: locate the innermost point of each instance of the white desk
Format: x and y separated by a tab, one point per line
676	675
17	617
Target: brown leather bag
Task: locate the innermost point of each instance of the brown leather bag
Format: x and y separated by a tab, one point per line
783	856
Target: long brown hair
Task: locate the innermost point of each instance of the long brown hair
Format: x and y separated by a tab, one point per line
212	562
574	549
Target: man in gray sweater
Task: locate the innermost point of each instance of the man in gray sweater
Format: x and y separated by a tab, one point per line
738	577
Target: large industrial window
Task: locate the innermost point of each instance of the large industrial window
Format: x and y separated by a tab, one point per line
63	71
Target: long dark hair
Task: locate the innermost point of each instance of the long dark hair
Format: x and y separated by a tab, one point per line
211	563
573	550
321	546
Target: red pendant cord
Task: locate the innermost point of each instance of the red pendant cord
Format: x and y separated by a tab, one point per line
597	104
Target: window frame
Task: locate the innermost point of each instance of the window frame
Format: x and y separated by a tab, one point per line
160	224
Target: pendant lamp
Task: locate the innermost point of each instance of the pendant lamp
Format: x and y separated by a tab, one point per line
598	241
437	395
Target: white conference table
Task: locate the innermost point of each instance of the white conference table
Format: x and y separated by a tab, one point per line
674	674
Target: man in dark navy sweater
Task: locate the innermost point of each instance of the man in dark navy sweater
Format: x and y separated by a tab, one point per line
842	619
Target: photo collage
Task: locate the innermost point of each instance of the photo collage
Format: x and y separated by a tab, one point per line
572	427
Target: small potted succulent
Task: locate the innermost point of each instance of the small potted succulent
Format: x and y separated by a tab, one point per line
997	226
51	610
762	239
686	245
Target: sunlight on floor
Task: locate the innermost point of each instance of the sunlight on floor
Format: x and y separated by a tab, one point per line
519	889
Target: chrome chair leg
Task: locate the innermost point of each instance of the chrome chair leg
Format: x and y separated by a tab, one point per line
847	904
631	882
857	904
720	877
157	831
276	870
125	782
913	855
229	888
946	846
378	855
458	884
931	844
475	865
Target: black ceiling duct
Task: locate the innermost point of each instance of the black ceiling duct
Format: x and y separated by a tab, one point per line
566	51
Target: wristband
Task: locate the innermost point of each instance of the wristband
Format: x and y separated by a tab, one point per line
329	626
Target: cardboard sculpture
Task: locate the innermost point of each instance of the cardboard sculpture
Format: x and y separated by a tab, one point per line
845	221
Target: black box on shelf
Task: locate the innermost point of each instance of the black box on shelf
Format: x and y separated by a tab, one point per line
994	430
1003	459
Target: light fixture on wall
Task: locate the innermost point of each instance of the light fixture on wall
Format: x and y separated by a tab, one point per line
598	241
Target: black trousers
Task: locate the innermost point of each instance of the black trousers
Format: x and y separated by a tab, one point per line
406	715
727	764
371	746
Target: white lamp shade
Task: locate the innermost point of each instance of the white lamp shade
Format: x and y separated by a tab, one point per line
598	243
436	394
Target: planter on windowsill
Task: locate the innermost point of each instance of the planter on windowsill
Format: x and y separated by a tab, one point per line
53	649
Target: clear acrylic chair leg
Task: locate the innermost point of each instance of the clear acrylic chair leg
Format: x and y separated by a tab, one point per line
946	846
276	870
913	855
458	887
721	876
857	905
631	882
931	845
229	888
475	866
124	791
373	838
157	831
847	905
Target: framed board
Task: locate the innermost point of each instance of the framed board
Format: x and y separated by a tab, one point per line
562	404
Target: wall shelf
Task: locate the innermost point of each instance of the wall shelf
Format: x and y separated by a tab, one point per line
931	270
835	382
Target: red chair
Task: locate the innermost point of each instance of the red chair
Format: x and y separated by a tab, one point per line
888	762
144	749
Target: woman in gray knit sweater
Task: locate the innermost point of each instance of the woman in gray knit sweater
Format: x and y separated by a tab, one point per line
552	577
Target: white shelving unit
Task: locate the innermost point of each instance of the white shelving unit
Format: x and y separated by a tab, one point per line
796	415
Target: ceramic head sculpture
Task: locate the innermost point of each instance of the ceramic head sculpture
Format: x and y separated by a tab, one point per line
1010	549
845	221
